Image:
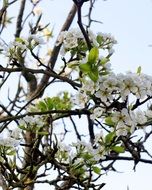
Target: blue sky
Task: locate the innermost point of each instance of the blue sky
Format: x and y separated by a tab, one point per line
129	21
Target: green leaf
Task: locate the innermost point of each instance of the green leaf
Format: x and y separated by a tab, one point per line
87	156
96	170
49	103
94	74
42	133
99	39
118	149
139	70
93	55
85	67
42	106
20	40
77	169
22	127
104	60
109	137
109	121
11	152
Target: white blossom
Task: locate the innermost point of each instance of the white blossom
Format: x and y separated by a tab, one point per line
93	37
11	50
127	85
123	115
140	117
31	120
98	136
80	99
111	83
149	113
9	141
22	46
79	161
121	129
16	133
108	36
64	147
89	86
97	112
104	94
125	121
37	39
69	38
107	67
37	10
70	41
111	51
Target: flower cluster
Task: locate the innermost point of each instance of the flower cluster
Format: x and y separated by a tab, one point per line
139	85
125	122
110	87
102	40
69	39
13	138
115	96
29	121
74	38
16	50
81	156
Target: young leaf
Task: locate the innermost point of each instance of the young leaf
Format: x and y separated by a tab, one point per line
96	170
11	153
109	137
20	40
118	149
139	70
109	121
49	103
87	156
42	133
104	60
94	74
22	127
99	39
85	67
93	55
42	106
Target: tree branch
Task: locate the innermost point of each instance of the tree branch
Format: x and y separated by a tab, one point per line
20	18
79	4
123	158
67	112
47	72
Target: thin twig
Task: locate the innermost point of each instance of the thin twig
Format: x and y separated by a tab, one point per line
55	52
20	18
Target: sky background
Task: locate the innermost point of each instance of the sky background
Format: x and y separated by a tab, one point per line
130	22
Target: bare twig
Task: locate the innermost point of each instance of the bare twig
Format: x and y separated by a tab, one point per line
79	6
62	112
75	128
20	18
39	91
